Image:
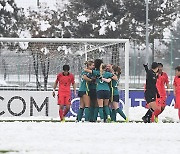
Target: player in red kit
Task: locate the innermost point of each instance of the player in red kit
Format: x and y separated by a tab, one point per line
162	81
176	87
65	79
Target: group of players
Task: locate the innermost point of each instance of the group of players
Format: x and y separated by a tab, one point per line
99	92
155	92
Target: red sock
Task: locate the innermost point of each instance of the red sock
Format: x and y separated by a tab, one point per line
61	114
157	112
179	113
66	111
152	118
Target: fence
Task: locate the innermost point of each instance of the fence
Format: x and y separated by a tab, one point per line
21	64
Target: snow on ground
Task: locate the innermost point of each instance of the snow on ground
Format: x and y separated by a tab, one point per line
87	138
96	138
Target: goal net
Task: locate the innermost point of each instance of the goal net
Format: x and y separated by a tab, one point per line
33	63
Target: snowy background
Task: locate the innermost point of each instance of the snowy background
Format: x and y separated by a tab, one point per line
86	138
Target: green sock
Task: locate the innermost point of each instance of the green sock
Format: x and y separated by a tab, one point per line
118	110
101	113
113	115
107	110
105	115
80	114
96	110
91	113
86	113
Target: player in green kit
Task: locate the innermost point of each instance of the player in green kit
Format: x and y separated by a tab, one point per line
84	92
93	111
103	90
116	70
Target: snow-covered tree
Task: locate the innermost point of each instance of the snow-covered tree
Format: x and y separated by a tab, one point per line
11	19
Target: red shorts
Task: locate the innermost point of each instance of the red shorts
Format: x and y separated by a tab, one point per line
64	98
161	101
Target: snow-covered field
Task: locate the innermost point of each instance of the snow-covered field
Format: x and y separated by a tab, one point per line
87	138
96	138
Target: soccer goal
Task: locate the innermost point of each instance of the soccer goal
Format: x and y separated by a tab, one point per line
34	62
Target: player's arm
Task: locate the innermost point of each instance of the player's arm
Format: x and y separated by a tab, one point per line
106	80
168	88
73	84
86	78
114	77
87	70
146	67
174	89
54	88
167	84
74	88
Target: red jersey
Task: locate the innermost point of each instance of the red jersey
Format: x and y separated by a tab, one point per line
177	84
65	82
160	83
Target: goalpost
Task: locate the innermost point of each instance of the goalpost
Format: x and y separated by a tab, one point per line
40	59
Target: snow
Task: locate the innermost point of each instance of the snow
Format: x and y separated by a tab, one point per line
9	8
81	17
33	3
44	25
86	138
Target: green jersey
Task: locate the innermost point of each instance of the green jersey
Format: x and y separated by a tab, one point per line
84	86
92	85
102	85
114	87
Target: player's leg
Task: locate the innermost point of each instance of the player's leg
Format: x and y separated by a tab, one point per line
118	110
67	101
151	101
100	104
100	110
155	114
96	110
86	100
106	96
61	105
161	105
116	107
81	110
93	102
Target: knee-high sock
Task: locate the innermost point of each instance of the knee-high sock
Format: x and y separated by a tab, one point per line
80	114
101	113
118	110
86	113
149	113
96	110
107	110
113	115
61	114
157	112
66	111
91	113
